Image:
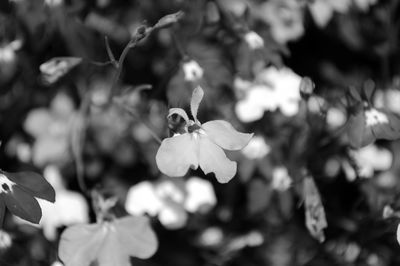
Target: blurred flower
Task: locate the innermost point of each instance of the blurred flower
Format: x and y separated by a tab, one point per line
51	129
8	59
364	5
335	117
273	88
54	3
69	208
170	199
281	181
192	70
388	99
5	240
253	40
201	145
257	148
285	18
322	10
371	158
57	263
211	236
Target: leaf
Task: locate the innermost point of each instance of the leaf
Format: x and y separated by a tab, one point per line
224	135
197	96
370	124
108	243
168	20
57	67
315	213
35	184
22	204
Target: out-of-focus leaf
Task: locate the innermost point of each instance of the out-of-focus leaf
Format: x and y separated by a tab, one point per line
259	195
57	67
108	243
315	213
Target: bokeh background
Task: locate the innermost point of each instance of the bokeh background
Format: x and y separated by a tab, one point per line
249	56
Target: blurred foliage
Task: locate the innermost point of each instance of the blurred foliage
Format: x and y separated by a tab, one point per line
70	110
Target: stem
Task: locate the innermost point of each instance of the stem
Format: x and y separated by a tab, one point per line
138	118
119	65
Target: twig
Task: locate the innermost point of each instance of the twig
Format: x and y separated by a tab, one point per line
110	53
138	118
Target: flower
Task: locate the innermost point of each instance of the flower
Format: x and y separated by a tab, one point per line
170	199
322	10
371	158
257	148
18	192
192	70
272	89
284	17
51	129
253	40
201	145
281	181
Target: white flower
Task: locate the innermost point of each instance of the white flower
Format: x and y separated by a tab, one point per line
281	180
322	10
285	18
257	148
170	199
192	70
371	158
273	88
364	5
200	193
388	99
5	240
253	40
335	117
374	117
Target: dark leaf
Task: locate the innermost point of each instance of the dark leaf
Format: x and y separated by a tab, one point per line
34	184
22	204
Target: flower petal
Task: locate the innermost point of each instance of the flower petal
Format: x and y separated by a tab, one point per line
178	111
176	155
225	136
34	184
22	204
197	96
213	159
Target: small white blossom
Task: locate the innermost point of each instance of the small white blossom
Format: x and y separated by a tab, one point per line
192	70
371	158
253	40
257	148
5	240
374	117
281	180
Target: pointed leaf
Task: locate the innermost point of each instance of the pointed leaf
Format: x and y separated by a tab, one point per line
22	204
197	96
225	136
176	155
178	111
212	159
315	213
34	184
168	20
